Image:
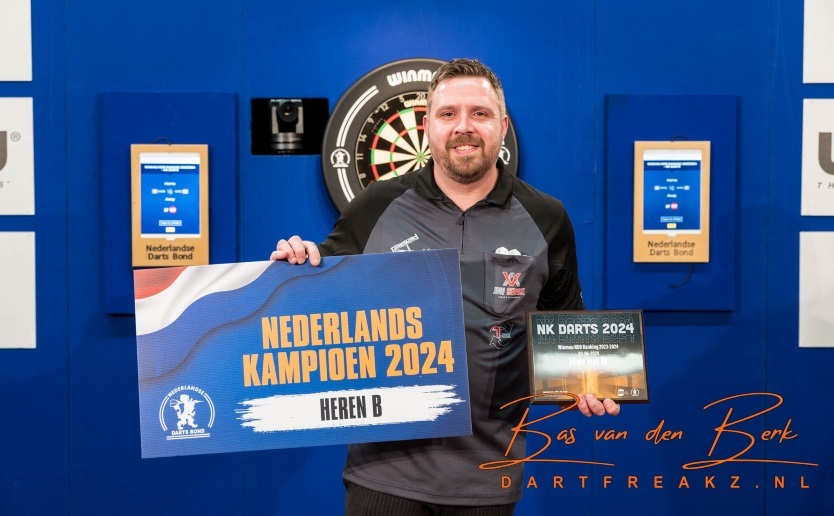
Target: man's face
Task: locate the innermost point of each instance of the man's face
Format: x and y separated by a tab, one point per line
465	128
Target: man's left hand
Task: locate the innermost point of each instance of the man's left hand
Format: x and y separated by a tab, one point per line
590	405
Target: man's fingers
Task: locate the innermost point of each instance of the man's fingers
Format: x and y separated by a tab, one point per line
312	252
296	250
582	405
280	252
594	404
298	253
589	405
611	406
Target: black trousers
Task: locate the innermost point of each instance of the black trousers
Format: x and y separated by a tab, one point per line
361	501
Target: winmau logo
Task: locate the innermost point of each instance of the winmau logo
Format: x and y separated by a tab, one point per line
4	149
410	76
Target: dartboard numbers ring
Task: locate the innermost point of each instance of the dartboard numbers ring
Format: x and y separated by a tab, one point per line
376	130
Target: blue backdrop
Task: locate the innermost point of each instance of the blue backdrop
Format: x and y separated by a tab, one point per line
69	442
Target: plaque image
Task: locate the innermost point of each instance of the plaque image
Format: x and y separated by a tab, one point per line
596	351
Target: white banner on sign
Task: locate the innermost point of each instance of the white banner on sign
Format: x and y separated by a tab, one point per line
15	40
17	289
817	157
818	42
17	157
348	408
816	290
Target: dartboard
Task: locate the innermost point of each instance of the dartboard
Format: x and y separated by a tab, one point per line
376	130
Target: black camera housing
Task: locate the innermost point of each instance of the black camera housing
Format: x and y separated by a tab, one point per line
287	125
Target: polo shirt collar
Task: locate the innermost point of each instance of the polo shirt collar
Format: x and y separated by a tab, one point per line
500	194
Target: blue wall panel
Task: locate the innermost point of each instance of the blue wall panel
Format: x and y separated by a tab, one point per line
790	369
670	286
163	118
147	47
34	422
557	67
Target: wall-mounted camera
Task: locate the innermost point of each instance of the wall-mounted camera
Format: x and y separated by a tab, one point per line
287	125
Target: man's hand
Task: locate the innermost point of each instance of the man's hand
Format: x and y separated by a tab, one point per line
296	250
590	405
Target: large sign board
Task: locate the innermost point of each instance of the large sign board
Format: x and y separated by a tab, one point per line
263	355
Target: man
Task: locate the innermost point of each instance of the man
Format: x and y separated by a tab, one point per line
507	233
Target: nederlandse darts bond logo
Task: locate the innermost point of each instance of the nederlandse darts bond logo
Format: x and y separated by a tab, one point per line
186	413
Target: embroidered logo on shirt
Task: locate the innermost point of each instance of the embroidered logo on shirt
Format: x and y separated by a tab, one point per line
404	245
512	278
500	335
512	286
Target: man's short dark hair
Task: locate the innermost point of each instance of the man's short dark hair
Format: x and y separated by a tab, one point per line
467	68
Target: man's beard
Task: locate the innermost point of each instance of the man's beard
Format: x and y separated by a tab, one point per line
470	168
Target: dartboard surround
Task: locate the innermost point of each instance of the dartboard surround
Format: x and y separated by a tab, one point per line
376	130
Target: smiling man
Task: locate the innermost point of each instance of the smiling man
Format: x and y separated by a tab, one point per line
507	233
466	127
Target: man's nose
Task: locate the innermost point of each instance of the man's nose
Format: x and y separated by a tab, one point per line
464	124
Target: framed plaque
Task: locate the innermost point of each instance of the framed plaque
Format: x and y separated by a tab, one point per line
169	192
671	201
596	351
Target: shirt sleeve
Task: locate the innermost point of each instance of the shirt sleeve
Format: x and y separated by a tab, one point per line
352	231
562	290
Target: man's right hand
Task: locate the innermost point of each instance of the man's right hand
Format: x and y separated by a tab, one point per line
296	250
